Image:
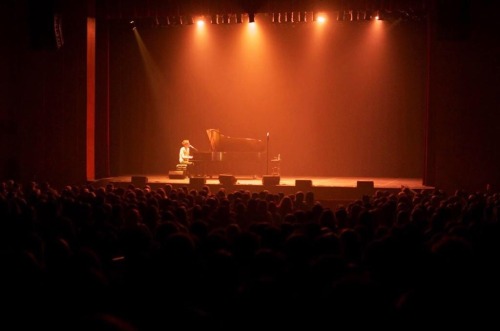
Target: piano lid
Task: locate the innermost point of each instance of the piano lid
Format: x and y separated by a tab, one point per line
223	143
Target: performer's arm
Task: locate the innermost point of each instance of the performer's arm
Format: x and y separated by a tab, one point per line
184	155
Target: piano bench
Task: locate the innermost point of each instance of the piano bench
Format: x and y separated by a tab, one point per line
181	167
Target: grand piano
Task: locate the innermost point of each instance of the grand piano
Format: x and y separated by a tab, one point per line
229	155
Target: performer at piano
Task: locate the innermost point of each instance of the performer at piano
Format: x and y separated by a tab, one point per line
184	157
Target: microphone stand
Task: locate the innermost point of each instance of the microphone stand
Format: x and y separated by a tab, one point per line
267	154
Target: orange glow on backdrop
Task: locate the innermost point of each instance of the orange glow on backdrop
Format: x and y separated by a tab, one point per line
337	98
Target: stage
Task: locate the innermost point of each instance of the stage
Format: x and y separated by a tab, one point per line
324	188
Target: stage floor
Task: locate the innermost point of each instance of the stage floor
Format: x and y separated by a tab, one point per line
323	187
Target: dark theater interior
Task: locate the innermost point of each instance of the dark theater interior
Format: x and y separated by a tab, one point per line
244	164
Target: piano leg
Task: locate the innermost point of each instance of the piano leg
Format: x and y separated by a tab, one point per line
198	169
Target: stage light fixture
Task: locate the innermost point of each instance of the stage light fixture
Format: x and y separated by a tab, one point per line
303	184
284	17
354	15
227	180
341	16
319	17
188	20
302	17
175	20
215	19
274	18
381	15
161	21
238	18
197	182
368	15
251	18
270	180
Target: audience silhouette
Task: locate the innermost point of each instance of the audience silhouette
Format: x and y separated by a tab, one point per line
144	259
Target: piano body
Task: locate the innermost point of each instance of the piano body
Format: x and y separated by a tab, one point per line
228	155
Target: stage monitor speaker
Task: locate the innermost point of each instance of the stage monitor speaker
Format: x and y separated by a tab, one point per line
303	184
139	181
176	174
270	180
227	180
365	184
197	181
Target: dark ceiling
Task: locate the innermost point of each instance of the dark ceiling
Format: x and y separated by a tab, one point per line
116	9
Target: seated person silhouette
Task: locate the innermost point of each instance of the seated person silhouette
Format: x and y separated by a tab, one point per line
184	157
